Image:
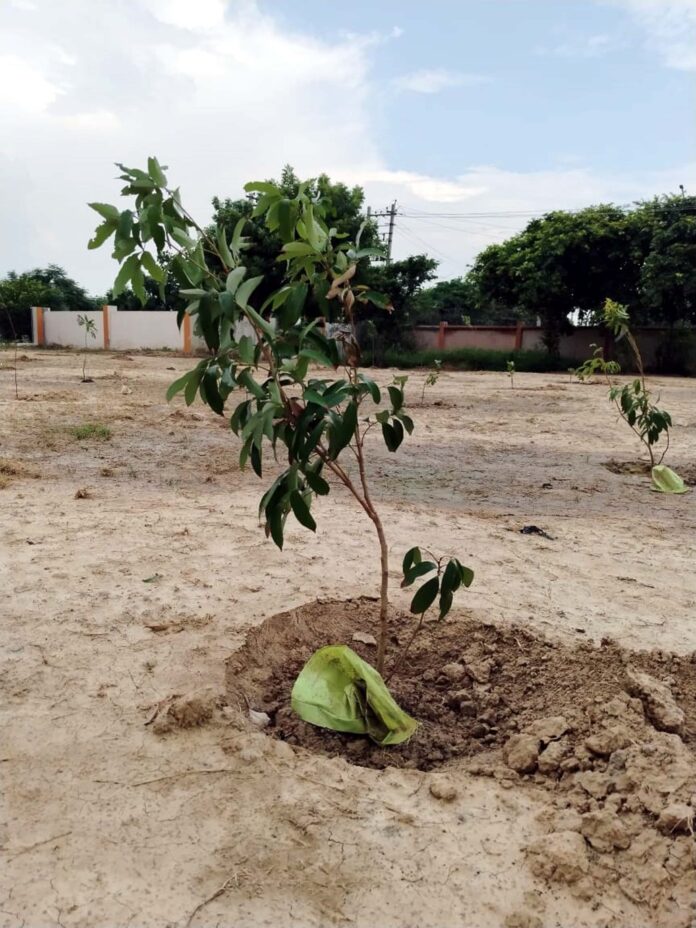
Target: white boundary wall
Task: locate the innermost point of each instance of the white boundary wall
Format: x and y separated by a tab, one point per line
121	330
132	329
61	328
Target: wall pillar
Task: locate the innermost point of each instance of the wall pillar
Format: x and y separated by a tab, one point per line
105	327
519	334
37	324
442	335
186	332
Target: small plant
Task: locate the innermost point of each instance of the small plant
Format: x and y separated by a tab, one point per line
90	328
431	378
91	431
312	420
633	400
597	364
510	368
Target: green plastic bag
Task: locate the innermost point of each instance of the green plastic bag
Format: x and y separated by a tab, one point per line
337	689
666	481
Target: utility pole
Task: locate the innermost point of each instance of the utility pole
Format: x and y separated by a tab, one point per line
390	214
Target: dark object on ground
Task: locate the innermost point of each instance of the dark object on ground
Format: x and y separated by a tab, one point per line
534	530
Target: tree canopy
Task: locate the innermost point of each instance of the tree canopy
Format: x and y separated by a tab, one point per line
50	287
570	263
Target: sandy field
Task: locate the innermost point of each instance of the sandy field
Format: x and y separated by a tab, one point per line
133	566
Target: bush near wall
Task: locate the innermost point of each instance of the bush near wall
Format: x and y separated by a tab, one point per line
472	359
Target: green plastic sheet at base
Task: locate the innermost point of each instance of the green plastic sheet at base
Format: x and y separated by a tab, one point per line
666	481
337	689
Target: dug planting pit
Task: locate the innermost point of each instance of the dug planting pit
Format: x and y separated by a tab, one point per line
604	735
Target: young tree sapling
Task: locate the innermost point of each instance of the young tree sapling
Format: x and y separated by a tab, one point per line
319	419
90	328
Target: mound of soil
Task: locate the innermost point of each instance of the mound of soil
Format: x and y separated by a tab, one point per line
470	685
687	471
607	734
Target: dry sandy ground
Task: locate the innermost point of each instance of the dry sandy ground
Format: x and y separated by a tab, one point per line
141	589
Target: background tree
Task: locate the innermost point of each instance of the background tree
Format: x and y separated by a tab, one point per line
668	269
401	281
50	287
341	209
561	264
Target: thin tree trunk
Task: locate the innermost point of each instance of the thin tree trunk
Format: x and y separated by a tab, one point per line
384	557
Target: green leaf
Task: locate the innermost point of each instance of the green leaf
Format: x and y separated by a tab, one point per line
178	385
106	210
156	172
152	267
393	434
102	233
245	290
412	556
224	248
372	388
292	309
452	577
138	282
236	241
317	356
467	575
182	238
260	322
193	294
407	421
251	385
123	247
275	525
260	186
193	385
124	275
234	279
317	483
296	250
125	224
343	429
416	571
246	349
301	511
379	299
286	220
445	603
209	388
425	596
256	464
397	398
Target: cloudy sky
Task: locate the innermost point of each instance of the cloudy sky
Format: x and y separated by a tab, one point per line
451	107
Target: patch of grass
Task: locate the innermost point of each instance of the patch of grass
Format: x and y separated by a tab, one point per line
475	359
91	431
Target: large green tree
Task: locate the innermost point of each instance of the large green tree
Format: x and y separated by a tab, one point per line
569	263
561	264
50	287
668	269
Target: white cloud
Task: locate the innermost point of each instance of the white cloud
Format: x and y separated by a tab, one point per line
223	94
194	15
590	46
670	27
440	215
436	79
23	88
